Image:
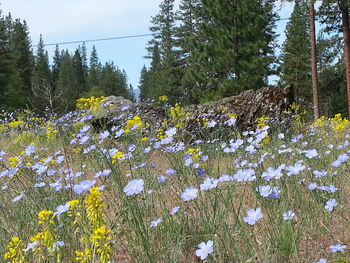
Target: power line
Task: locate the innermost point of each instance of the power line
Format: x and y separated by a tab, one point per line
112	38
96	40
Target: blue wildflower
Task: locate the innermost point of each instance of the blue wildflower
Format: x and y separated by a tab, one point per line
200	172
330	204
156	222
337	248
254	215
189	194
289	215
205	249
83	186
134	187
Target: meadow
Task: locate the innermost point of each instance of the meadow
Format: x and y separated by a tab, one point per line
131	191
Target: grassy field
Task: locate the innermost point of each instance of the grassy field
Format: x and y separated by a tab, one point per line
134	192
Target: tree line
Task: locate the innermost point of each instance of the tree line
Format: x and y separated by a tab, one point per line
28	80
209	49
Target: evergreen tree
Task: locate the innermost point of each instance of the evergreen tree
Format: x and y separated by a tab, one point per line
79	74
23	63
56	66
296	54
331	75
330	50
238	53
67	82
84	57
191	16
113	81
335	15
330	17
83	53
41	69
167	75
150	85
122	88
131	93
108	79
144	86
94	69
6	62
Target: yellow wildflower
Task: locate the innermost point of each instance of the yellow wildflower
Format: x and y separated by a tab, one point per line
45	216
117	156
261	122
16	124
83	256
89	103
134	123
101	238
47	236
15	251
339	124
74	205
178	116
163	98
94	205
13	161
193	152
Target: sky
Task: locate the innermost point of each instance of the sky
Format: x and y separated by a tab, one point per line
75	20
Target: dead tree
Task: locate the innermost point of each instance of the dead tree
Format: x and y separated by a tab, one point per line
45	98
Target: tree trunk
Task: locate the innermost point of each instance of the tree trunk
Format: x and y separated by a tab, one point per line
315	96
346	34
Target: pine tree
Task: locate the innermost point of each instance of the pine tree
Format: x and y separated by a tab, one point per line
94	70
330	50
6	62
83	53
122	88
144	86
84	57
167	75
79	73
331	75
23	63
336	17
150	87
186	32
67	82
296	54
131	92
191	16
239	51
56	66
41	69
114	81
108	81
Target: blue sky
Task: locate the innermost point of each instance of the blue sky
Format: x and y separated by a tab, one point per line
71	20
